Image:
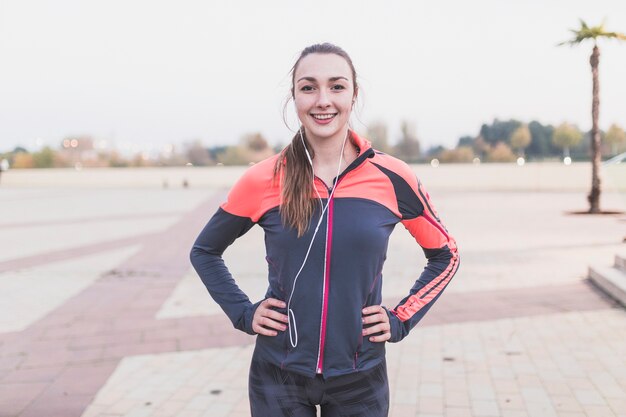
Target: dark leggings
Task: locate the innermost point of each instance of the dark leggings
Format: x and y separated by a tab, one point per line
275	393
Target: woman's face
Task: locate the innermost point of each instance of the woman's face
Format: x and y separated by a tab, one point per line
323	94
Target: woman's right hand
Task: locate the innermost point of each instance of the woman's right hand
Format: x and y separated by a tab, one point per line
265	319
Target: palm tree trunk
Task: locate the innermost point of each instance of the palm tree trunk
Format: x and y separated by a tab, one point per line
594	195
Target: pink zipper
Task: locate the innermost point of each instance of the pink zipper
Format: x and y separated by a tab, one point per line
329	238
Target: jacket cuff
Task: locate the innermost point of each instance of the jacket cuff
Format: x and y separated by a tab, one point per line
248	315
396	327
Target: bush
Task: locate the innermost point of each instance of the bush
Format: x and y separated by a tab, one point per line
23	160
43	158
501	153
460	154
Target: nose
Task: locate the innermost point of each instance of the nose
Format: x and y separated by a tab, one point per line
323	99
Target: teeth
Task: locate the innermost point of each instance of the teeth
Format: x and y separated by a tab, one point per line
323	116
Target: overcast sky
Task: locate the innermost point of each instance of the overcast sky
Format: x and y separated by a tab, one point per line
150	72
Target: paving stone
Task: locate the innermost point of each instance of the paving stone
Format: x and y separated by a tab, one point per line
589	397
511	401
457	399
458	412
430	405
485	408
566	403
514	413
598	411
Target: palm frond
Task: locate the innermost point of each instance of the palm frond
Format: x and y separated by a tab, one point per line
583	25
594	33
615	35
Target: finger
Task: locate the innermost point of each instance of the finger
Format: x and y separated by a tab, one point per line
262	330
267	322
375	318
275	315
381	327
274	303
381	338
373	309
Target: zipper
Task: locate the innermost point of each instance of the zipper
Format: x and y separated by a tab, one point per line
329	236
329	221
325	286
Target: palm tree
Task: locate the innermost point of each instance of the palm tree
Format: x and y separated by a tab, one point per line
582	34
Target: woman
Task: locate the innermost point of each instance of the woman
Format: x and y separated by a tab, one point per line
327	204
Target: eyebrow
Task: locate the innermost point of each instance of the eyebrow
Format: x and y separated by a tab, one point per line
312	79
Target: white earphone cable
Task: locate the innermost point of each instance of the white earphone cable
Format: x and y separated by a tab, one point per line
293	335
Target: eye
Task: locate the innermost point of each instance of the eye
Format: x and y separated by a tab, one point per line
306	88
338	87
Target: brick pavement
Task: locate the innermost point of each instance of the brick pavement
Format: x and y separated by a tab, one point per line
521	366
57	365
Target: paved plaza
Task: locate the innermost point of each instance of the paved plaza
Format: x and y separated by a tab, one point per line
103	316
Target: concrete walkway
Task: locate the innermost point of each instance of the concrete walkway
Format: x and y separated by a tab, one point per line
102	316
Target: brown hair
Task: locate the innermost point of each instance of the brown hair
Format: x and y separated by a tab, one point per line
297	206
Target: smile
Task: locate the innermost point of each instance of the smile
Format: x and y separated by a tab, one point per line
323	116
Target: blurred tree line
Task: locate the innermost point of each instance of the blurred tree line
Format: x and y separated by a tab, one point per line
502	141
499	141
79	152
506	140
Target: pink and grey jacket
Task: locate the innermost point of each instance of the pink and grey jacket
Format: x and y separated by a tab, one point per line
343	273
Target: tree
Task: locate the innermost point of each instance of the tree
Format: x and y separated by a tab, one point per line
255	142
585	33
465	141
408	149
23	160
377	134
43	158
616	137
521	138
19	149
116	160
541	145
434	151
565	136
499	131
481	147
198	155
254	148
501	152
233	155
459	154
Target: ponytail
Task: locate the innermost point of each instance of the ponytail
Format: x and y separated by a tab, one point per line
294	170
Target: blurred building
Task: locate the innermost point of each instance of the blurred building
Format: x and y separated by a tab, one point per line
79	150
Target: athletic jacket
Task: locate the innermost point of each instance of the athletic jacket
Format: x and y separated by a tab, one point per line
343	273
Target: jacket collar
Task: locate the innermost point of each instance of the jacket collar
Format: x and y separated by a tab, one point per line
363	144
365	148
365	151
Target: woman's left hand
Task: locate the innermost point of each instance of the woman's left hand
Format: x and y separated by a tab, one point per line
376	314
